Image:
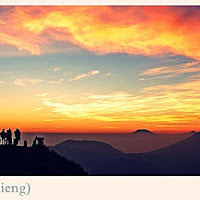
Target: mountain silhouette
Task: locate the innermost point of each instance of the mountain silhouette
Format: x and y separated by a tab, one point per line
99	158
194	132
89	146
181	158
142	131
19	160
186	148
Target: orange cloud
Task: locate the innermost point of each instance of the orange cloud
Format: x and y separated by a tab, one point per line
173	105
103	29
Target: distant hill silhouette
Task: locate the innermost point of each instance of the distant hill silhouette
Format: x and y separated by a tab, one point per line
186	148
194	132
19	160
180	158
99	158
142	131
90	146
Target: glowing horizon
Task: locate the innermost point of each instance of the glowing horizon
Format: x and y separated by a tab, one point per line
100	69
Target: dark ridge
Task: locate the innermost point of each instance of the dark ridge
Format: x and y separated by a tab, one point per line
88	146
143	131
39	161
99	158
181	158
188	147
193	132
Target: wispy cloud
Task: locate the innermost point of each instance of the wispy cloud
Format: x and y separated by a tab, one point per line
85	75
195	76
43	94
55	69
26	81
37	109
108	74
56	82
48	120
170	71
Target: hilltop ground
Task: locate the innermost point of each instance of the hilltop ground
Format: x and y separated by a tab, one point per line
19	160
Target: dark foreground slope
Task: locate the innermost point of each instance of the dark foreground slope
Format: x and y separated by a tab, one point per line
35	161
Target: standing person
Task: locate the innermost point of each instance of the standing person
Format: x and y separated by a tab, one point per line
3	137
9	136
17	136
35	142
2	134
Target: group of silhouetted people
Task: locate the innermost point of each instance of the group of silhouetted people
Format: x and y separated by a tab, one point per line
6	137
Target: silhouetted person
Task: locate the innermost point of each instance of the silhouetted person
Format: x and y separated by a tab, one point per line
17	136
25	143
9	136
3	137
34	142
15	142
38	141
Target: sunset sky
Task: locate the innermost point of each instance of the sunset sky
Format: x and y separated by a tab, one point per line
100	69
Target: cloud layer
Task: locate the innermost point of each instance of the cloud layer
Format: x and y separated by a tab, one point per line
173	105
103	29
